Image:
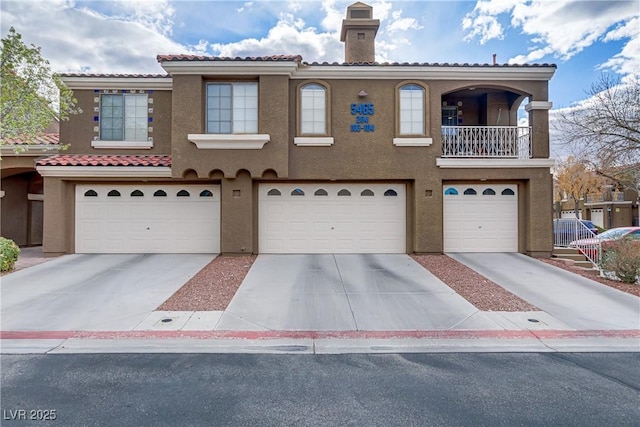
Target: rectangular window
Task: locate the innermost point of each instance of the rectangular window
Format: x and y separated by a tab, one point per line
123	117
232	108
313	110
411	110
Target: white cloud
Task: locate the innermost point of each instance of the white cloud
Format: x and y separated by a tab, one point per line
561	28
85	40
627	62
399	23
485	27
289	36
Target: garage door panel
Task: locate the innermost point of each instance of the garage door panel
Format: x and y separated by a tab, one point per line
147	224
331	223
480	223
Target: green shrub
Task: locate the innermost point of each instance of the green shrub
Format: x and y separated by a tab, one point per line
623	259
9	252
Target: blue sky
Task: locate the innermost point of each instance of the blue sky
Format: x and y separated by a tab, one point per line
584	38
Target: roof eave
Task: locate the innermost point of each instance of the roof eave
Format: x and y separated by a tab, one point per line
107	82
340	71
28	150
287	68
105	171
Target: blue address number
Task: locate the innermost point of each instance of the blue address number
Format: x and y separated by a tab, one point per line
363	109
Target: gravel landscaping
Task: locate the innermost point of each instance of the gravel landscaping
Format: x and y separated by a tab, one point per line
213	287
484	294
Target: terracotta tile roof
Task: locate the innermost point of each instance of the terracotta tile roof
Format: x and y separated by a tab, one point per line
41	139
105	160
426	64
298	58
272	58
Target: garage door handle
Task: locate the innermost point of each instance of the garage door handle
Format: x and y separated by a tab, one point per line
148	228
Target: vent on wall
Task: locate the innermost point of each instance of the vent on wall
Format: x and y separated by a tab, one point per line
360	14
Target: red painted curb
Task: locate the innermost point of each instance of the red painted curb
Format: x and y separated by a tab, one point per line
315	335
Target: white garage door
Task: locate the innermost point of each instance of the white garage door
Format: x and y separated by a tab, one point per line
147	219
597	217
480	218
332	218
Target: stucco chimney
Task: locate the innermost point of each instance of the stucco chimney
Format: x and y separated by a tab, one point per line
359	33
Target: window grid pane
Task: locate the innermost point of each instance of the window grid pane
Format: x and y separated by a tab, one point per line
313	109
232	108
411	110
123	117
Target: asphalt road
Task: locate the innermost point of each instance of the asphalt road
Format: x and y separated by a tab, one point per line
332	390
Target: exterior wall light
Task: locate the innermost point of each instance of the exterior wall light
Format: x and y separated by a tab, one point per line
363	94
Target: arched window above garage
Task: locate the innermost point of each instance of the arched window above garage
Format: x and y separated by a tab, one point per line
113	193
183	193
508	192
321	192
274	192
90	193
344	192
137	193
366	192
297	192
160	193
489	192
470	192
390	192
450	192
206	193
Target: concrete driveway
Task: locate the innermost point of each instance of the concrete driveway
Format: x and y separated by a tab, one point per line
346	293
93	292
578	302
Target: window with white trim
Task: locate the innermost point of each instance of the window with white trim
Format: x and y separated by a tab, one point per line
411	110
313	109
124	117
232	108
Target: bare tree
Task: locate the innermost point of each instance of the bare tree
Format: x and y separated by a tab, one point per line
605	129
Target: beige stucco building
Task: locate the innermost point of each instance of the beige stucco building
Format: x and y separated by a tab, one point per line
279	155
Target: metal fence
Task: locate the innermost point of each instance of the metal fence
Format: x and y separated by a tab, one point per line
569	232
486	141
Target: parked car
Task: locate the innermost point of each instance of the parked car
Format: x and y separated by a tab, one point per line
606	239
566	230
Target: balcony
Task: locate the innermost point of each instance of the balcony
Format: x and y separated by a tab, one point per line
505	142
616	196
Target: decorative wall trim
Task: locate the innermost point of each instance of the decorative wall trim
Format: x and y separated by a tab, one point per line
412	142
208	141
538	105
105	171
493	163
122	145
313	141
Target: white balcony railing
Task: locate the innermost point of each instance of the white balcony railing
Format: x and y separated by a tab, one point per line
487	141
